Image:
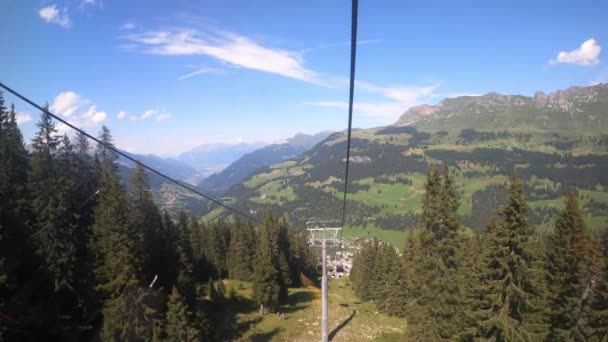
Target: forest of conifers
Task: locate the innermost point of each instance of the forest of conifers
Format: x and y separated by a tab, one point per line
507	283
82	257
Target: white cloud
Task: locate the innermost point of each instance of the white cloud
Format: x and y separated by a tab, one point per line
74	108
22	118
200	71
453	95
151	113
128	25
51	14
148	114
341	44
67	103
585	55
231	48
121	114
88	2
384	112
163	117
92	116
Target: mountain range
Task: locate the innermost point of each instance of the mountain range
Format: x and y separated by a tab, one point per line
555	142
194	165
218	183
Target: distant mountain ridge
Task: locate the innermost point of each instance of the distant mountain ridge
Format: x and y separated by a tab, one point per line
575	108
169	166
211	158
218	183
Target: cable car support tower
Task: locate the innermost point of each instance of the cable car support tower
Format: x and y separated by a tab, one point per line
323	237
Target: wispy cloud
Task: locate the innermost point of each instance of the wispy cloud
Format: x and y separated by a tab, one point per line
121	115
148	114
159	115
163	117
245	52
453	95
128	25
401	98
22	118
340	44
51	14
227	47
199	71
90	3
587	54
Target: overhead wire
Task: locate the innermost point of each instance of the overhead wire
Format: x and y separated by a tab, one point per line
353	55
125	155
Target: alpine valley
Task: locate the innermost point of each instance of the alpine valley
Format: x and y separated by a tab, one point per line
555	142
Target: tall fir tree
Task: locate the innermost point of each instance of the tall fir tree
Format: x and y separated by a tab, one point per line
15	252
216	249
179	324
568	273
241	252
509	307
438	302
597	291
147	218
185	269
117	243
267	278
133	316
55	224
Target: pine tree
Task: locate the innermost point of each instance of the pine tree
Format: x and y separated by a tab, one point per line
15	258
132	316
147	218
117	243
596	292
510	292
218	239
241	252
86	186
167	274
280	236
185	269
568	273
438	299
267	279
362	276
55	225
179	324
391	297
198	242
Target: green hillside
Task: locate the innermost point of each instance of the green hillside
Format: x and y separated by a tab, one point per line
388	166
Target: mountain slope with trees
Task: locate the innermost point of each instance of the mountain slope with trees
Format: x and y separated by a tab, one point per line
557	148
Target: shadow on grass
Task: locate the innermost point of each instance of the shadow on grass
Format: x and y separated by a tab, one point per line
228	325
342	325
297	301
262	337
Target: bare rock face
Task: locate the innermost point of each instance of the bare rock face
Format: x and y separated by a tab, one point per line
413	114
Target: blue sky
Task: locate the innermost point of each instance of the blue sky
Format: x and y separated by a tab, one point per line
168	76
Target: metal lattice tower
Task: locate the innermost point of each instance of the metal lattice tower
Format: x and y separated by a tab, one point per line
323	236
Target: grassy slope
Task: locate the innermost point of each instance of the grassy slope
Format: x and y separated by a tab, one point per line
358	321
269	187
